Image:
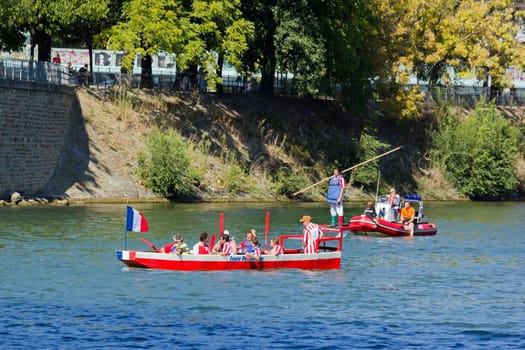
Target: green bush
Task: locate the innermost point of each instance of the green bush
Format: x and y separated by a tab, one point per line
288	181
299	152
368	148
166	168
478	155
235	179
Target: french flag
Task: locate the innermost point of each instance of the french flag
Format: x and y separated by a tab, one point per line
135	221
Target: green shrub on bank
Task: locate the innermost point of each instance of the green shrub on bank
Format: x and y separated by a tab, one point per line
166	168
235	180
288	181
478	155
369	147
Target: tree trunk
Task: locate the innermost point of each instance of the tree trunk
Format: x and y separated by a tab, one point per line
90	50
43	40
433	77
261	48
268	64
220	62
267	78
486	87
32	47
146	75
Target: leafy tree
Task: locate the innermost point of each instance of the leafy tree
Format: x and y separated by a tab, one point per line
11	36
299	45
478	155
260	54
91	19
429	37
217	32
38	18
325	44
44	18
150	26
349	29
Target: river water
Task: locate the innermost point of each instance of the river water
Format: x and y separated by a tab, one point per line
63	288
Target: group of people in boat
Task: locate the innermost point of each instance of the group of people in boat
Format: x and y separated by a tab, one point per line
250	246
406	216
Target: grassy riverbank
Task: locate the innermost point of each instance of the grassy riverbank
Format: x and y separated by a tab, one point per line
252	141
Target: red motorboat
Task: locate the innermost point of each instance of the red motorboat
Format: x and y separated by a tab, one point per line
365	225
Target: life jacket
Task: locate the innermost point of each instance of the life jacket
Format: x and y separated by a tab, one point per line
334	189
182	248
168	247
371	213
246	246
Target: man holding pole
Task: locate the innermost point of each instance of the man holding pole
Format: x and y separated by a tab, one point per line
351	168
335	196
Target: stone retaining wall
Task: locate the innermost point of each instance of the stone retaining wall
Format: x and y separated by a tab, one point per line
34	121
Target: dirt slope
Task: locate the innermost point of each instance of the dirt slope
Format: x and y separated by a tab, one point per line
263	133
105	168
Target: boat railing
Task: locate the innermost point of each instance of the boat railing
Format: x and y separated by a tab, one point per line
325	244
294	250
329	244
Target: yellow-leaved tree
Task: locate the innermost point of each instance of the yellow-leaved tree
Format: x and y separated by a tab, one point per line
427	38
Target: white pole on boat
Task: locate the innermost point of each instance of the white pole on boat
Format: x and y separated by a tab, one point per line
377	188
351	168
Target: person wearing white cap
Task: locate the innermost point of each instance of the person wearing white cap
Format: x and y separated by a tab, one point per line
225	245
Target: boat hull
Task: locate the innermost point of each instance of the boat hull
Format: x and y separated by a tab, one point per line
188	262
364	225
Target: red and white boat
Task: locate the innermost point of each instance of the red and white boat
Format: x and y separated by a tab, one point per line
328	257
365	225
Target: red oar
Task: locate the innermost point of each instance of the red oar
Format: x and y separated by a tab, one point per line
150	244
266	229
212	241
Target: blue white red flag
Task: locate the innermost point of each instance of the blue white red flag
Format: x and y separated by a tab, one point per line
135	221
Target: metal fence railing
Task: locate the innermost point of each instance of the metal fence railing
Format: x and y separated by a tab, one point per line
25	70
12	69
470	96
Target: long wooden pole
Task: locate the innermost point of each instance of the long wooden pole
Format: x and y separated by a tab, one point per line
351	168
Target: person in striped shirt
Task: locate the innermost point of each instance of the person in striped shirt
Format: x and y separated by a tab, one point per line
276	247
218	247
255	251
311	233
226	247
